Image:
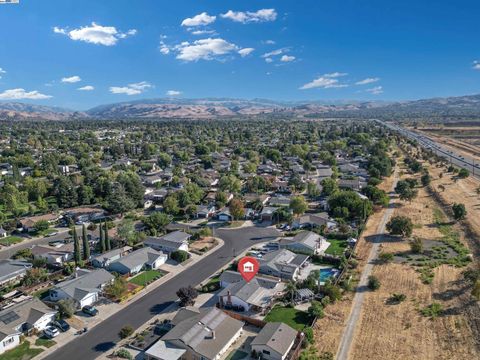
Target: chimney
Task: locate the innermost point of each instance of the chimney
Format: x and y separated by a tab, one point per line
229	298
213	334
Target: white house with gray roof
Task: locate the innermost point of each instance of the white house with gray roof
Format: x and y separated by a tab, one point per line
84	289
306	242
198	334
174	241
12	271
282	263
22	318
133	263
274	341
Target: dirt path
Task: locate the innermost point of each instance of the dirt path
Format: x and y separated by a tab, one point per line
348	334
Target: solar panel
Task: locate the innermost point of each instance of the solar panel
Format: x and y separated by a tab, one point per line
9	317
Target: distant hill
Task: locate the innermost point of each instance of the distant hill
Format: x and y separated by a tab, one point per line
209	108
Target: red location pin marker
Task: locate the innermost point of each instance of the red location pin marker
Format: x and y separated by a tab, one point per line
248	267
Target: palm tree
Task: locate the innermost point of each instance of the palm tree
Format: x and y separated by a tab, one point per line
291	289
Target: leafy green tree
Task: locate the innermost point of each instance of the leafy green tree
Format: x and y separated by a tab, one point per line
117	289
156	222
125	332
171	205
463	173
376	195
66	308
118	202
426	179
179	256
41	225
103	246
312	190
373	283
65	192
416	245
187	296
400	225
126	231
316	309
298	205
459	211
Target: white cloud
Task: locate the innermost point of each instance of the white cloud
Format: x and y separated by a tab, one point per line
86	88
131	89
164	49
71	79
95	34
275	52
367	81
203	32
199	20
269	42
173	92
268	60
2	72
262	15
476	65
245	51
286	58
204	49
375	90
19	94
326	81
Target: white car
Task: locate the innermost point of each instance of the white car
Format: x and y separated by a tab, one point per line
51	332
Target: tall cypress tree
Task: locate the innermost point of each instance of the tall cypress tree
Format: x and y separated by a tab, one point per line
76	247
86	245
107	239
102	239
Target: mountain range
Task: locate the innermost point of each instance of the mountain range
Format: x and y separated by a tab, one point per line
208	108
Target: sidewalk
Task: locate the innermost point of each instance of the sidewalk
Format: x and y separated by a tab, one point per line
107	310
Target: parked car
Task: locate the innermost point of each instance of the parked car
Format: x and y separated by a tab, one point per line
90	310
52	234
51	332
62	325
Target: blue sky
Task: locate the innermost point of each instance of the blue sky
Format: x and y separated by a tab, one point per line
125	50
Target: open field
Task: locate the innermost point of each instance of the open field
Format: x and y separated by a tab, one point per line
400	331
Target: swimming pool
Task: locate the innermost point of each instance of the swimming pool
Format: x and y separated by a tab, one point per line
327	273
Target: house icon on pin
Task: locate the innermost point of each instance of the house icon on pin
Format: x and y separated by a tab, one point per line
248	267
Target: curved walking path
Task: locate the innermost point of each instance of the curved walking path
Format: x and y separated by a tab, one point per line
349	332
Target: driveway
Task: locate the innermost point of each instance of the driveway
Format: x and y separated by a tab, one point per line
102	338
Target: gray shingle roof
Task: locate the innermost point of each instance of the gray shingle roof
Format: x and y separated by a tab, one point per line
12	268
277	336
138	257
206	333
86	282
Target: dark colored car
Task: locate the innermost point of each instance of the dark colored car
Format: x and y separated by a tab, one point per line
90	310
62	325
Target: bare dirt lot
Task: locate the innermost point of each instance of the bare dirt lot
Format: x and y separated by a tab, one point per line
400	331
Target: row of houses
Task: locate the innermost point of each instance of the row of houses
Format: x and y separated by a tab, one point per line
208	333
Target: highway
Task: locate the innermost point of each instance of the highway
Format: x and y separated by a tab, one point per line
103	337
427	143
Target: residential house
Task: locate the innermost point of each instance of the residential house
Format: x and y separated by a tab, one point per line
84	289
255	295
3	232
229	277
133	263
324	172
279	201
197	334
174	241
12	271
274	341
53	255
356	184
314	220
205	211
22	318
103	260
267	213
282	263
28	223
85	213
224	215
305	242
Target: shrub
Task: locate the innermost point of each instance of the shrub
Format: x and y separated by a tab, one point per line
416	245
125	332
397	298
124	354
386	257
179	256
432	311
373	283
308	335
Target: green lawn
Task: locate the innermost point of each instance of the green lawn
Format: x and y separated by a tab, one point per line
337	247
21	352
10	240
146	277
236	355
44	342
295	318
42	294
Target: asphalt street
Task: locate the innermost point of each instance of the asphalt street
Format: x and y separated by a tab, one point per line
103	337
